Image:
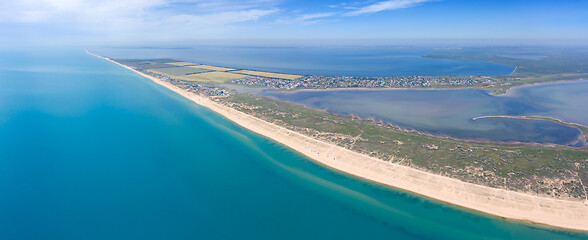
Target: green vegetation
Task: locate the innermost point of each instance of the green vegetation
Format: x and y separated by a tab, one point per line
551	170
219	77
178	70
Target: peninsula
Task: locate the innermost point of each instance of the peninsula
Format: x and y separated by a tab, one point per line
570	213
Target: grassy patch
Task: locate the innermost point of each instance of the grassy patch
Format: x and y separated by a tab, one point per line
178	71
219	77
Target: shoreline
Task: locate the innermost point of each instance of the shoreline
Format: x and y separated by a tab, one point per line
512	90
568	214
582	128
531	117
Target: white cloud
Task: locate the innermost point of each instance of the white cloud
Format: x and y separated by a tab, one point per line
72	10
218	19
384	6
351	9
113	12
306	17
133	19
96	20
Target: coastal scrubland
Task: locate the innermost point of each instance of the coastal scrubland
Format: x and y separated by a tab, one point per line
556	171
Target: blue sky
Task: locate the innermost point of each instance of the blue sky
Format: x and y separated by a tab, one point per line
183	21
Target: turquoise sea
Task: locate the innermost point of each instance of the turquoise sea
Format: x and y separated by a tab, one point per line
90	150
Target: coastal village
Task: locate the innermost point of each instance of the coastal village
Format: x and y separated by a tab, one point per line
208	80
324	82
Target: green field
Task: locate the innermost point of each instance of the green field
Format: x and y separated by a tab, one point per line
219	77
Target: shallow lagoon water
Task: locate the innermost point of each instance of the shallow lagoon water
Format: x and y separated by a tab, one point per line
330	61
90	150
455	113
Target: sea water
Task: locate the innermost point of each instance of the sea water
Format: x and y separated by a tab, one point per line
329	61
90	150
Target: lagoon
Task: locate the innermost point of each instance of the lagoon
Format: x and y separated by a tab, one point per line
456	113
90	150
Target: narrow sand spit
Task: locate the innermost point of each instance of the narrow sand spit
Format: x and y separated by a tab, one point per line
508	204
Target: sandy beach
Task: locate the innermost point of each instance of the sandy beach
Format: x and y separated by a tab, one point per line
567	214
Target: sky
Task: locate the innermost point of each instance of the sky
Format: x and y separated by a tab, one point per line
115	22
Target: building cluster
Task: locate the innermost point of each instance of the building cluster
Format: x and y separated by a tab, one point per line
313	81
190	86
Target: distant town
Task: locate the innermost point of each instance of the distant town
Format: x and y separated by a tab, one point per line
323	82
211	80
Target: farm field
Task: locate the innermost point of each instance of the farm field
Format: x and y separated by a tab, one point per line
214	68
219	77
181	63
269	74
